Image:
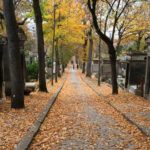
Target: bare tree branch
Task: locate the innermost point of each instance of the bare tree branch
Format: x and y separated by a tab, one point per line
92	8
22	22
108	14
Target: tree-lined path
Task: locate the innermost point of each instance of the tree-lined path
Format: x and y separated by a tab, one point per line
46	103
82	120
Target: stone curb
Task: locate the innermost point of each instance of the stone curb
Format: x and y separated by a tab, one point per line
29	136
143	131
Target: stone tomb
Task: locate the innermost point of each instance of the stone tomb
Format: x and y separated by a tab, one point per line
134	74
105	68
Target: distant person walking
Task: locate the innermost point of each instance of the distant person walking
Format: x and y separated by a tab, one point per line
72	64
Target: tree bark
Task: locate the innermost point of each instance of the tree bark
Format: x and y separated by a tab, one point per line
1	72
109	42
84	54
63	68
57	60
56	63
112	57
83	67
89	64
99	63
40	43
62	59
53	45
139	41
16	71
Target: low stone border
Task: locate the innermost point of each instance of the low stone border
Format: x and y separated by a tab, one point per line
29	136
125	117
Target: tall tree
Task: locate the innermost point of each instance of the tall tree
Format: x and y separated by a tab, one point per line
40	43
57	58
1	70
135	25
90	51
114	10
84	52
99	62
84	55
16	71
53	45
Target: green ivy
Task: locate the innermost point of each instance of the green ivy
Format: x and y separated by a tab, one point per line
32	70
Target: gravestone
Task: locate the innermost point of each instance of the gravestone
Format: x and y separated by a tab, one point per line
106	69
147	76
95	66
135	71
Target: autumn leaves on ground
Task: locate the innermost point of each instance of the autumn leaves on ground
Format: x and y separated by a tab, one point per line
47	42
15	123
79	119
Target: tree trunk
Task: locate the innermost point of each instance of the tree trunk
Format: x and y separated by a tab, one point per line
89	64
25	69
1	72
57	60
112	56
83	67
63	68
62	60
127	76
109	42
40	43
53	45
84	53
16	71
99	63
139	41
56	64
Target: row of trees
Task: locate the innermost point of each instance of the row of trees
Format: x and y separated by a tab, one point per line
16	70
59	33
66	27
63	28
117	23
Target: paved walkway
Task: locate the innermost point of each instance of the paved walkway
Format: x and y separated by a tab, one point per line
135	108
81	120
